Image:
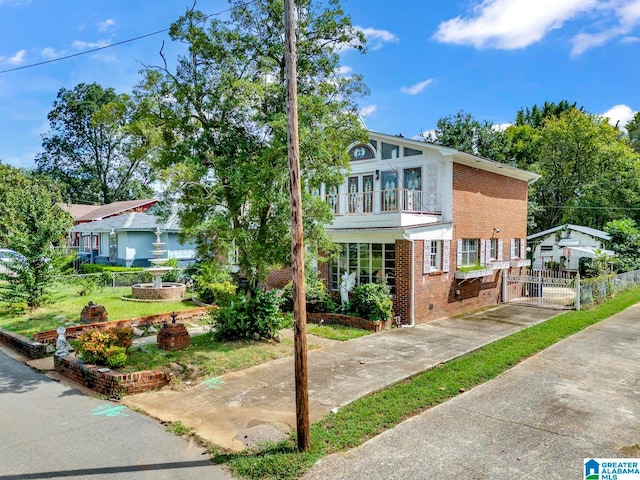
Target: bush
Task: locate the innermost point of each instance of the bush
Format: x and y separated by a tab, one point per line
217	293
245	318
105	347
318	299
172	275
371	301
98	268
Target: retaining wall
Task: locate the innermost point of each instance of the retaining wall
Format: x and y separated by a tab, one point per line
30	348
50	336
107	382
348	320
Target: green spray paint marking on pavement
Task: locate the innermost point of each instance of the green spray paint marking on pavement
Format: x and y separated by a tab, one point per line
214	382
110	410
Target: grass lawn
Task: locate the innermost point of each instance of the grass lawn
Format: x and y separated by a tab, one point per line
206	357
369	416
66	301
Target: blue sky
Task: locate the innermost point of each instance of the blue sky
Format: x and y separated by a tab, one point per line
426	59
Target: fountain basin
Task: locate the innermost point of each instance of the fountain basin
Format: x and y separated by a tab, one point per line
168	292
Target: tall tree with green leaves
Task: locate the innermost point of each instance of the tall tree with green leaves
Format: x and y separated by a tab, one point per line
95	148
33	225
589	173
633	130
467	134
222	119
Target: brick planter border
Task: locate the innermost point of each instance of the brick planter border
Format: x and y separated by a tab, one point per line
30	348
50	336
350	321
107	382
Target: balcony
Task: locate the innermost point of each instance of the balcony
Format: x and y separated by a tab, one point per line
383	208
520	263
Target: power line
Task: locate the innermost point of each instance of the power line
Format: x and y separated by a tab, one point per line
86	52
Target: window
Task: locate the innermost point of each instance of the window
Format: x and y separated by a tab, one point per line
410	152
360	190
373	262
390	151
332	197
516	248
493	249
389	193
432	255
469	252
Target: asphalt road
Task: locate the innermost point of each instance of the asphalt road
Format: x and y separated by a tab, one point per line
48	430
578	399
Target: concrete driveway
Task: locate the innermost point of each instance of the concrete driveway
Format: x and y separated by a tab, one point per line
578	399
258	404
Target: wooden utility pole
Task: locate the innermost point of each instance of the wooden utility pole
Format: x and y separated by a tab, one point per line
297	245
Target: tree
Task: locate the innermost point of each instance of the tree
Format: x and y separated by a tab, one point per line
589	174
625	241
95	147
465	133
535	116
633	130
32	224
222	119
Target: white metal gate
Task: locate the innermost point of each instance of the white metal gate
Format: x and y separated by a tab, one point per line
543	288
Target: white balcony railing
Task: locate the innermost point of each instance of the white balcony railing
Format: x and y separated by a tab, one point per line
384	201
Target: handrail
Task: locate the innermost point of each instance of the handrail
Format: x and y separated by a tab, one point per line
385	201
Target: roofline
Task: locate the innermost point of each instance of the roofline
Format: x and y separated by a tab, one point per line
467	158
569	226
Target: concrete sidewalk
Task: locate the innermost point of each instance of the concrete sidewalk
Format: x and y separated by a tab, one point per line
578	399
258	404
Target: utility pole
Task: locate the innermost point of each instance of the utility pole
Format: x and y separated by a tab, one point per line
297	245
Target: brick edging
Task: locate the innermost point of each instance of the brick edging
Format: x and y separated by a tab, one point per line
107	382
50	336
349	320
30	348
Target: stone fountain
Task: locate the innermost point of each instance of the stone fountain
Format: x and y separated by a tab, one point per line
158	290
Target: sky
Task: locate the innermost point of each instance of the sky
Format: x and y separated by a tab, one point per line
425	59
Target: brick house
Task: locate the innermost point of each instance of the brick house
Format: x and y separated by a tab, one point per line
439	226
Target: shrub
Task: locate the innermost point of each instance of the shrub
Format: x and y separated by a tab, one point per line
246	318
317	297
105	347
171	275
99	268
371	301
217	293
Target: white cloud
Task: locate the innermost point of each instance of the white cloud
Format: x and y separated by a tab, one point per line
417	88
80	45
377	39
343	70
501	127
16	59
49	53
368	110
620	115
106	25
629	40
510	24
628	17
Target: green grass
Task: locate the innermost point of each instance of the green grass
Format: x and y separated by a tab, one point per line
65	300
371	415
205	357
336	332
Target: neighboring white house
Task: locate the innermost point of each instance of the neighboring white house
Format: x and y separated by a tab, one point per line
126	240
567	244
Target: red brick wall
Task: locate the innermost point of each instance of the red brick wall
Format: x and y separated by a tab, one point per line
105	381
30	348
349	320
481	201
50	336
278	278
